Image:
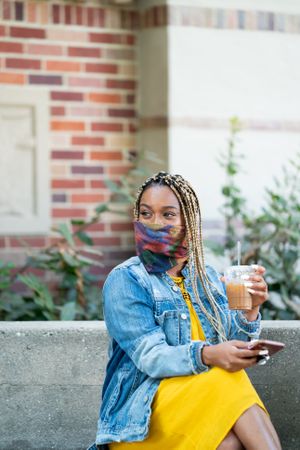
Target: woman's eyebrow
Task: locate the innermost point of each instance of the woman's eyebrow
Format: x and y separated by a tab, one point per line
164	207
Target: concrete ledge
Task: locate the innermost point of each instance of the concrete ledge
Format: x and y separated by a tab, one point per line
51	375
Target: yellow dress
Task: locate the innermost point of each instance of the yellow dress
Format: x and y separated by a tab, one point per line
195	412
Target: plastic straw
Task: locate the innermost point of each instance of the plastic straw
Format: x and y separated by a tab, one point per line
238	252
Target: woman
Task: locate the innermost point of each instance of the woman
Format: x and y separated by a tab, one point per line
175	377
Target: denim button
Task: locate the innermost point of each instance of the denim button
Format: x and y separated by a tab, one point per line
175	288
146	398
183	316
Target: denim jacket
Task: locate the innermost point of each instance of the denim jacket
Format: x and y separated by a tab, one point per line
150	339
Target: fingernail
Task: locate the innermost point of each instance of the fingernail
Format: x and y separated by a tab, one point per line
251	291
248	284
264	352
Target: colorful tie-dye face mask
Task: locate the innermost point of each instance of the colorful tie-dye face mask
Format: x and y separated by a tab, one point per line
159	247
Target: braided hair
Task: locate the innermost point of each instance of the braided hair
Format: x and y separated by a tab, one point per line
190	207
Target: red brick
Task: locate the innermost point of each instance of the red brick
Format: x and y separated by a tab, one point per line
130	99
103	126
7	10
68	14
97	184
30	241
90	16
118	170
2	31
87	198
101	68
79	15
132	128
106	38
31	8
96	227
87	140
57	111
67	184
12	78
67	126
67	96
87	111
121	112
121	226
85	52
43	49
121	84
63	154
71	213
19	11
45	79
87	170
55	14
95	17
101	156
14	63
22	32
100	97
59	198
130	39
2	242
86	82
63	66
119	255
107	241
11	47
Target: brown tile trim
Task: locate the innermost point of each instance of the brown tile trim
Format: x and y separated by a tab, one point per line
210	123
190	16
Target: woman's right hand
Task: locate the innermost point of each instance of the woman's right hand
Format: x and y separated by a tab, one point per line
231	355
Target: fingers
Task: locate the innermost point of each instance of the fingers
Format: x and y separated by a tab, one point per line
239	344
248	353
258	269
249	362
258	288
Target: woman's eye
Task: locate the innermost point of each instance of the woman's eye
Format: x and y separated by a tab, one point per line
169	214
145	213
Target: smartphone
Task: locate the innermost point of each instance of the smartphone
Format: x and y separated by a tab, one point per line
264	344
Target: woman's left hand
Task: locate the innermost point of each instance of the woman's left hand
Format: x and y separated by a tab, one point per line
257	287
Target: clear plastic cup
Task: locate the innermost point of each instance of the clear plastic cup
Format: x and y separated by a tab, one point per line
237	292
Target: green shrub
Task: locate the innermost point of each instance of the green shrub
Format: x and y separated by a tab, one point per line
271	237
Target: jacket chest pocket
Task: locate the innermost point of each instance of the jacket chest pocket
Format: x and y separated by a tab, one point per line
169	321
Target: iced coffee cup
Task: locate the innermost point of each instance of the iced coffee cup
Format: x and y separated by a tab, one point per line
237	292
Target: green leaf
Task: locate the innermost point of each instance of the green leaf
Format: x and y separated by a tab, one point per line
77	222
70	260
101	208
84	237
113	187
68	311
42	295
65	231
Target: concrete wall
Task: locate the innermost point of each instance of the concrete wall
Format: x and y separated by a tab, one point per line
52	372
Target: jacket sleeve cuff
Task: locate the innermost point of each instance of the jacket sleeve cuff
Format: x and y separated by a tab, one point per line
196	348
252	329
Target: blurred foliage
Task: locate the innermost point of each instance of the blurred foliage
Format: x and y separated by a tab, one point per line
271	237
26	293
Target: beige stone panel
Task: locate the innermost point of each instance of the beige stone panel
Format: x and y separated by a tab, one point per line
58	170
128	70
115	141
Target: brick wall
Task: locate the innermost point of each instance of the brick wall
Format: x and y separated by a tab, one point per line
84	55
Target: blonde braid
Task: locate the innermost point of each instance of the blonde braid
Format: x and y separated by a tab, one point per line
192	217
